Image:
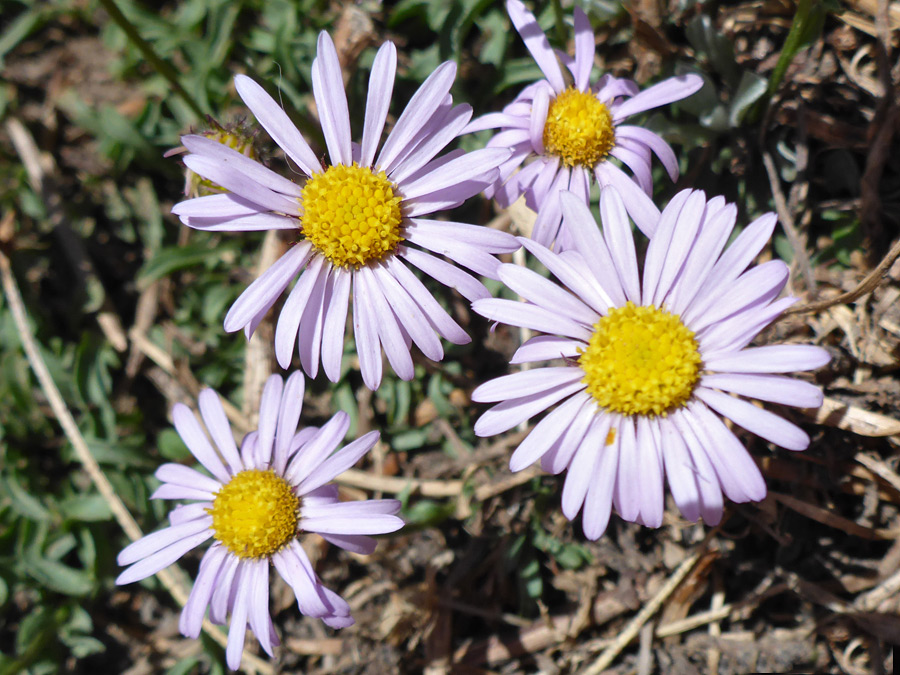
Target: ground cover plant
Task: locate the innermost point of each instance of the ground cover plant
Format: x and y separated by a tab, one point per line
539	535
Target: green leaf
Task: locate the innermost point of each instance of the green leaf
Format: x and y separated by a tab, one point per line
87	508
749	91
22	502
56	576
174	258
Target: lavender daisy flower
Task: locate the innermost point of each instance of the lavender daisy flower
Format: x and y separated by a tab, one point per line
563	135
255	505
361	220
650	362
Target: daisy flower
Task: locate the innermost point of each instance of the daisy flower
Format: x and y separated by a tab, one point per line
650	362
564	134
360	221
255	505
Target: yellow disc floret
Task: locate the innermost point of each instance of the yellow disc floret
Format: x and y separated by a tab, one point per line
255	514
579	129
641	361
351	214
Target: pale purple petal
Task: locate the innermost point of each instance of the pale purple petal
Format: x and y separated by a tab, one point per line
584	50
279	126
349	518
638	204
650	483
409	314
662	239
290	406
770	359
738	474
526	383
738	330
539	109
659	147
558	457
258	594
250	168
417	113
660	94
436	139
706	484
737	257
269	408
449	275
581	474
191	433
238	628
191	619
221	206
589	242
760	284
339	462
679	245
708	246
365	333
236	180
335	324
169	491
461	252
546	348
331	100
626	494
289	320
638	160
495	241
774	388
219	428
187	512
259	222
599	497
360	544
224	590
157	541
309	336
547	432
620	240
536	43
584	286
504	416
186	477
530	316
544	293
450	174
320	446
761	422
294	567
378	100
270	284
162	558
388	328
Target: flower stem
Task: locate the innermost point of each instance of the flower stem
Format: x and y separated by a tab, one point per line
162	67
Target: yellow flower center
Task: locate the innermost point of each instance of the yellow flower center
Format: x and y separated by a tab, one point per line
641	361
579	129
255	514
351	215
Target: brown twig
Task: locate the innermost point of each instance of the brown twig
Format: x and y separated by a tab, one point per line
634	627
867	285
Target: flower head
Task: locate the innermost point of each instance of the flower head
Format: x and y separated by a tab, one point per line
359	220
650	361
255	506
564	134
